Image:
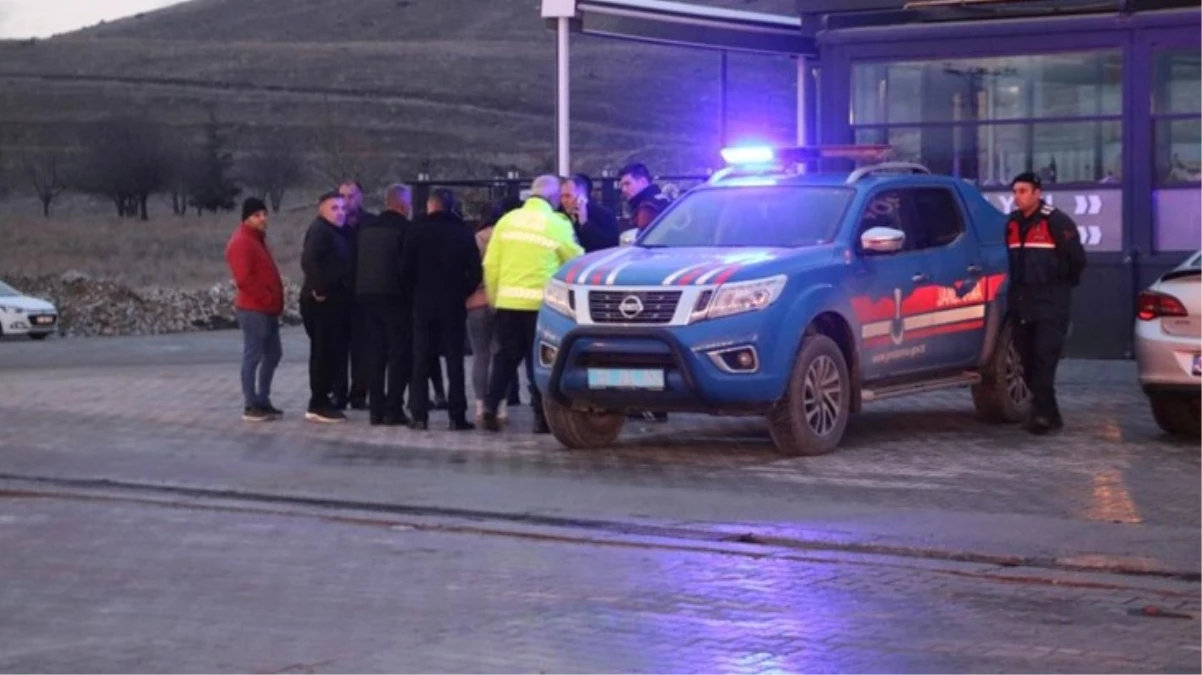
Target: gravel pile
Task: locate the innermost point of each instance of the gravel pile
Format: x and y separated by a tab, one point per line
96	307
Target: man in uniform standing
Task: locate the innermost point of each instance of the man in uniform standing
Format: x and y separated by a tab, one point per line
1046	263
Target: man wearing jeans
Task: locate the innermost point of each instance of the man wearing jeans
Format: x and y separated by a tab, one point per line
258	304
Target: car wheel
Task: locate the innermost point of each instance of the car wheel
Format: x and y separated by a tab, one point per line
812	416
582	430
1177	413
38	336
1002	396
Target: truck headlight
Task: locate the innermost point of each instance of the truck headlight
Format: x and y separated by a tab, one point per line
561	298
746	296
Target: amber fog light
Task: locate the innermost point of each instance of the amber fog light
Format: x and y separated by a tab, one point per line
736	359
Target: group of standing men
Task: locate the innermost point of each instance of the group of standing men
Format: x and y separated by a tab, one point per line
394	293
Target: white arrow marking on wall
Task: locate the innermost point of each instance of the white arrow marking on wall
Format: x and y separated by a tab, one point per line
1087	204
1091	235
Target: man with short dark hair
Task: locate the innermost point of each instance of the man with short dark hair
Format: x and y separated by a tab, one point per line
354	391
326	298
644	197
258	304
596	227
1046	263
381	296
442	267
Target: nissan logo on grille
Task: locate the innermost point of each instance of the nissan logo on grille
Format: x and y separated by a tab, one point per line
631	306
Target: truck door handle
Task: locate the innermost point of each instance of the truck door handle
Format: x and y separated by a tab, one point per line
975	270
920	277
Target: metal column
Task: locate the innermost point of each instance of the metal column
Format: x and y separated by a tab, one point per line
804	96
563	98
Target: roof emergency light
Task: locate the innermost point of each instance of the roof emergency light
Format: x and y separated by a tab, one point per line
760	155
752	154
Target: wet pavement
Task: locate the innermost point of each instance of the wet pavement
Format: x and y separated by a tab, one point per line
114	586
918	480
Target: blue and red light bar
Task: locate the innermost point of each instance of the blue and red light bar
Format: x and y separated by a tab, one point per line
763	155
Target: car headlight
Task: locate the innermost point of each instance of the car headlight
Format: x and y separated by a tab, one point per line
14	310
559	297
746	296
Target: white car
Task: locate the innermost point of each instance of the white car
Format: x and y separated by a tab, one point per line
21	314
1168	347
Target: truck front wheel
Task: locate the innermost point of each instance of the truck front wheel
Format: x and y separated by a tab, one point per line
1002	395
580	429
812	416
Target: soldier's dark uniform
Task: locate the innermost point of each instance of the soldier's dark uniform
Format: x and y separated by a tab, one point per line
1046	263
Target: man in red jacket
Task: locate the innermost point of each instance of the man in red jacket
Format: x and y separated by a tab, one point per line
258	304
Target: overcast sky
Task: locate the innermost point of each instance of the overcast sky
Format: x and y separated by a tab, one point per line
41	18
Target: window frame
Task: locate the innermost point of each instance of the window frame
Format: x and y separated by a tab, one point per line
885	189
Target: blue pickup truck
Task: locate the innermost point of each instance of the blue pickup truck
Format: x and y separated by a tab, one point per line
787	294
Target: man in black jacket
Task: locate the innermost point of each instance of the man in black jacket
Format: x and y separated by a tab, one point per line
325	304
385	304
1046	263
354	392
442	267
596	226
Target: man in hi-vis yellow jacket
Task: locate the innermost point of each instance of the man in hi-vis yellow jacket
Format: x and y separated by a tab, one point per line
528	246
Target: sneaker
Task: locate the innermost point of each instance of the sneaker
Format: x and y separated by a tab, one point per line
332	416
272	410
254	413
461	424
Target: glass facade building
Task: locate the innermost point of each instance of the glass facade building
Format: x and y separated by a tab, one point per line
1107	108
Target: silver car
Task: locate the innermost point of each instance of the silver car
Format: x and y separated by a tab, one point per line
1168	347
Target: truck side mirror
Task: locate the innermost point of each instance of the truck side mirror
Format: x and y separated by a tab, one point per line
628	237
883	240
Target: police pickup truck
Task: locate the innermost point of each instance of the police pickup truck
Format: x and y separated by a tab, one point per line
793	295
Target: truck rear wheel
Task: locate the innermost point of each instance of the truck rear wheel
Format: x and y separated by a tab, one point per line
812	416
1177	414
1002	396
582	430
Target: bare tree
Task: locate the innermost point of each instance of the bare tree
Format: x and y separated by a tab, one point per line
269	173
127	163
45	176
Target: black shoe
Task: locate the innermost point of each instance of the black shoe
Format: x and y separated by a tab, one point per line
331	416
386	421
254	413
272	410
461	425
338	403
358	403
540	425
1039	425
419	425
491	423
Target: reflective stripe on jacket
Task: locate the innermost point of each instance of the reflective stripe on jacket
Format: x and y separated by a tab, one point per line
527	247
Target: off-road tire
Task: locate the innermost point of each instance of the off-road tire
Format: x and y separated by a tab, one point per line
1177	414
1002	396
582	430
812	416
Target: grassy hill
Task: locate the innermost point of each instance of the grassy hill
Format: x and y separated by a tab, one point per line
463	87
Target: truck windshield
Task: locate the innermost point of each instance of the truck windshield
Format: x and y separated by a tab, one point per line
776	216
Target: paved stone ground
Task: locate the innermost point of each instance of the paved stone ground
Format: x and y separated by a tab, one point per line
115	586
918	473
